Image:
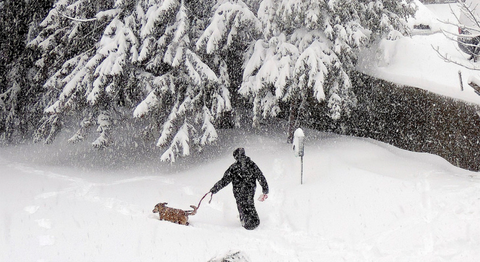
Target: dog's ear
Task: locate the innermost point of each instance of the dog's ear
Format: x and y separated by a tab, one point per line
164	204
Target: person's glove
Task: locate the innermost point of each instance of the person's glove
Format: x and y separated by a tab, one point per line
262	197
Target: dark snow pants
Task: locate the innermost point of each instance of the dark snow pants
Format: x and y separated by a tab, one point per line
248	213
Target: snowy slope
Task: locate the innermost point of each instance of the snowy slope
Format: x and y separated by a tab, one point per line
361	201
413	60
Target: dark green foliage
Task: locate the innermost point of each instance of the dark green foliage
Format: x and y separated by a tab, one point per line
412	119
20	94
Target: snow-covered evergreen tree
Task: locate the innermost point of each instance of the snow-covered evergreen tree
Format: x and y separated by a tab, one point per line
232	27
67	43
309	49
142	64
182	82
173	65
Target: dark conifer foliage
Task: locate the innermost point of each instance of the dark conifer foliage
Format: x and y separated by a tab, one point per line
20	93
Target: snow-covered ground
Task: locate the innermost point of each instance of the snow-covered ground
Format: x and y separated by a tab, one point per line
362	200
413	60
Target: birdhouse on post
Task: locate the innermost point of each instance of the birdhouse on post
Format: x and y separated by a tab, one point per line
298	148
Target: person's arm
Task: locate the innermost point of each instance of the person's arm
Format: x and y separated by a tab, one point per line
261	179
226	179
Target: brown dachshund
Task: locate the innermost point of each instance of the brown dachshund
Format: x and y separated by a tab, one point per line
174	215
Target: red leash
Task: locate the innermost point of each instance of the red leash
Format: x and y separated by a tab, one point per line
203	198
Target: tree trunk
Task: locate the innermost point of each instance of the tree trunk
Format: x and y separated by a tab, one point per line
292	120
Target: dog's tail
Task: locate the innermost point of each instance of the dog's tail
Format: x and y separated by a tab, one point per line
191	212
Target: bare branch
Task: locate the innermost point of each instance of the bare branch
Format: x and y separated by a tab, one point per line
449	60
468	10
451	36
469	28
453	13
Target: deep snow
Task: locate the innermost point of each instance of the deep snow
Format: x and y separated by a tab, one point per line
361	200
413	60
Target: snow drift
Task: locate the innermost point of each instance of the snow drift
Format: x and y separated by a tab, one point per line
361	200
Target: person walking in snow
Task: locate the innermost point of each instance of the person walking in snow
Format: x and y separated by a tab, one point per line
243	174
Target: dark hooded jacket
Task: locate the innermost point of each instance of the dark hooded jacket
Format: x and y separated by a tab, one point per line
243	180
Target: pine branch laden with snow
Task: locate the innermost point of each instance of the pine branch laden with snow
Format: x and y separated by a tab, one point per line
291	66
162	27
180	40
180	145
312	67
199	73
104	128
177	131
230	21
82	132
209	134
221	102
147	105
73	84
180	130
270	64
188	96
113	57
49	128
158	12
